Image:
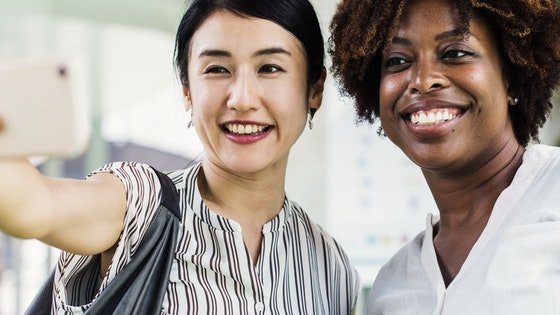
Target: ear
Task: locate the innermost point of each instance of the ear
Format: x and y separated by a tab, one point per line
316	92
187	98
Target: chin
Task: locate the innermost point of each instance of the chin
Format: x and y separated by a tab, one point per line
429	157
246	166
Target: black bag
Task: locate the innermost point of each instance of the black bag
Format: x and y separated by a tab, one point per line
140	286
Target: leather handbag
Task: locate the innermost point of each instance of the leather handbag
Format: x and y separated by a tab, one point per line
139	288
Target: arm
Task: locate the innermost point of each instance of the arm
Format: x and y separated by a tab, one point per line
79	216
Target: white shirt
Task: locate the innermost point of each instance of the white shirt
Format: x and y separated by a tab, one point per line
513	268
300	270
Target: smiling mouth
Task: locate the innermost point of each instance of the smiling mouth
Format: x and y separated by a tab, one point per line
433	116
245	129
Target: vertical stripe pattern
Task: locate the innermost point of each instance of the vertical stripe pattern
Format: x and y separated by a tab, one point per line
300	270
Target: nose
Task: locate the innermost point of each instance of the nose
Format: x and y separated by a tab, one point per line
243	95
428	77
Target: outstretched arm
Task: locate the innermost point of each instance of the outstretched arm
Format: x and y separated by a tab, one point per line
79	216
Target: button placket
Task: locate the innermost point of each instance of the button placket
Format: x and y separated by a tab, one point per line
259	307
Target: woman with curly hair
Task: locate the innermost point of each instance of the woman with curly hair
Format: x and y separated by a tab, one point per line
462	88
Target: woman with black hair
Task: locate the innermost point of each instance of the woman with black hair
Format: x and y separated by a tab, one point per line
462	87
252	74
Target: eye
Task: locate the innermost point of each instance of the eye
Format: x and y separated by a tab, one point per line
215	70
455	54
270	68
396	63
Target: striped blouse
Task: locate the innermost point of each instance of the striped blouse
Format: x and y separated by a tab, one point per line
300	270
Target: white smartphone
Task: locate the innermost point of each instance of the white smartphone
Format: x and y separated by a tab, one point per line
38	112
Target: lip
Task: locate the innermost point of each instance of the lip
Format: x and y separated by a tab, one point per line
434	130
246	138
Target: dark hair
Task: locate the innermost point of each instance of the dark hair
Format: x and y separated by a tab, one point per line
296	16
528	32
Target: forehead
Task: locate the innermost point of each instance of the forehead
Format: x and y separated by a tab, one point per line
434	17
239	34
442	12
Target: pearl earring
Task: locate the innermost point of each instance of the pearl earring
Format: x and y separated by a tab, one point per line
513	101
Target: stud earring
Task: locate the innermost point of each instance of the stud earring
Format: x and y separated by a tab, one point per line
513	101
310	119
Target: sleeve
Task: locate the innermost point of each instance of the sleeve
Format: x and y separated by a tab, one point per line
77	280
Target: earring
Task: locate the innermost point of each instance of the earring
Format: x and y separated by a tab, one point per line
512	101
191	122
310	118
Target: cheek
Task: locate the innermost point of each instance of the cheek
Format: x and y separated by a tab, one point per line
390	90
290	98
206	110
208	95
489	88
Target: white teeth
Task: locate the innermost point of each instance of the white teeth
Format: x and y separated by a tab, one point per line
244	129
422	118
431	117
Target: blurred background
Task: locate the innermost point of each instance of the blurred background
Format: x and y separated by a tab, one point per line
356	184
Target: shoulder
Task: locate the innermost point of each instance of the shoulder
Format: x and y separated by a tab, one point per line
315	233
542	158
313	229
185	178
130	173
326	245
402	284
327	254
394	272
537	182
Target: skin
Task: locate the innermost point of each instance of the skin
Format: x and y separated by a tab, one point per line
470	158
64	213
244	182
247	71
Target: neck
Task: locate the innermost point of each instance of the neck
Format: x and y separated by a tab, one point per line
250	199
467	199
465	202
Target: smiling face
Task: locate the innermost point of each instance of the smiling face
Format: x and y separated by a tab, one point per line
248	91
443	96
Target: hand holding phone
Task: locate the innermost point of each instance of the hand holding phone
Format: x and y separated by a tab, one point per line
38	114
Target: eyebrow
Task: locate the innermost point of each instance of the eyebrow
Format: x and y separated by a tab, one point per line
451	33
214	53
271	51
447	34
225	53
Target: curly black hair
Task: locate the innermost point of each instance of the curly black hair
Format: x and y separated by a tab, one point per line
529	35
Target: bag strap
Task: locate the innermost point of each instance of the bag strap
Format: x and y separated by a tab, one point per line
169	194
141	285
43	300
139	288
